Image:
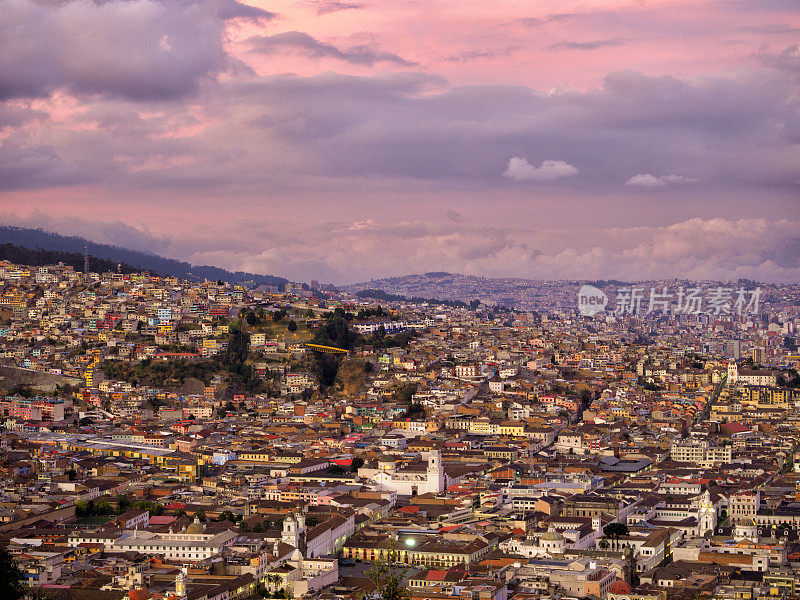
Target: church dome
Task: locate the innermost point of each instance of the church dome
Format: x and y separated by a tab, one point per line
195	527
551	536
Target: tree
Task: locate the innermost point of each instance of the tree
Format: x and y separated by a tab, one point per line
292	326
356	464
123	503
414	411
154	508
405	393
387	581
104	508
615	530
273	579
12	579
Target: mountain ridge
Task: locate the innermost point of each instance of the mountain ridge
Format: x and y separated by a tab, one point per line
39	239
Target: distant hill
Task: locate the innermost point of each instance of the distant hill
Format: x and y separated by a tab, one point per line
463	290
381	295
38	239
39	257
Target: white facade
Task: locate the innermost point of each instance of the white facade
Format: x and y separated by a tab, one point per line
411	483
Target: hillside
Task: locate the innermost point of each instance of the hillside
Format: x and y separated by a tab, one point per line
39	257
459	289
46	240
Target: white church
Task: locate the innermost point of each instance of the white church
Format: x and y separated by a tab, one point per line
410	480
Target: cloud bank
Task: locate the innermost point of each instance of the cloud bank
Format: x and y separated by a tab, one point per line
647	180
520	169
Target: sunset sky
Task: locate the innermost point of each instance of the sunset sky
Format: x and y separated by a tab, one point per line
341	140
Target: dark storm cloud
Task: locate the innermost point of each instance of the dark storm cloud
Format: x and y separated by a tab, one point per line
633	124
307	45
38	166
230	9
329	131
134	49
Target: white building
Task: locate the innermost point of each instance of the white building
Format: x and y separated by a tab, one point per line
412	480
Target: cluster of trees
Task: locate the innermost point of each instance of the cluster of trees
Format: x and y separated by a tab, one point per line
154	508
366	313
379	339
334	332
262	526
12	579
173	373
612	531
388	580
90	508
790	379
39	257
264	592
229	516
254	318
404	393
381	295
161	373
414	411
234	360
21	389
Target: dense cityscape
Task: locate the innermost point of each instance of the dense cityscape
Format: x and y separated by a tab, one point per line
167	439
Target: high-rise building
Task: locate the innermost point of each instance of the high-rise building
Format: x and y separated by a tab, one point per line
759	354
